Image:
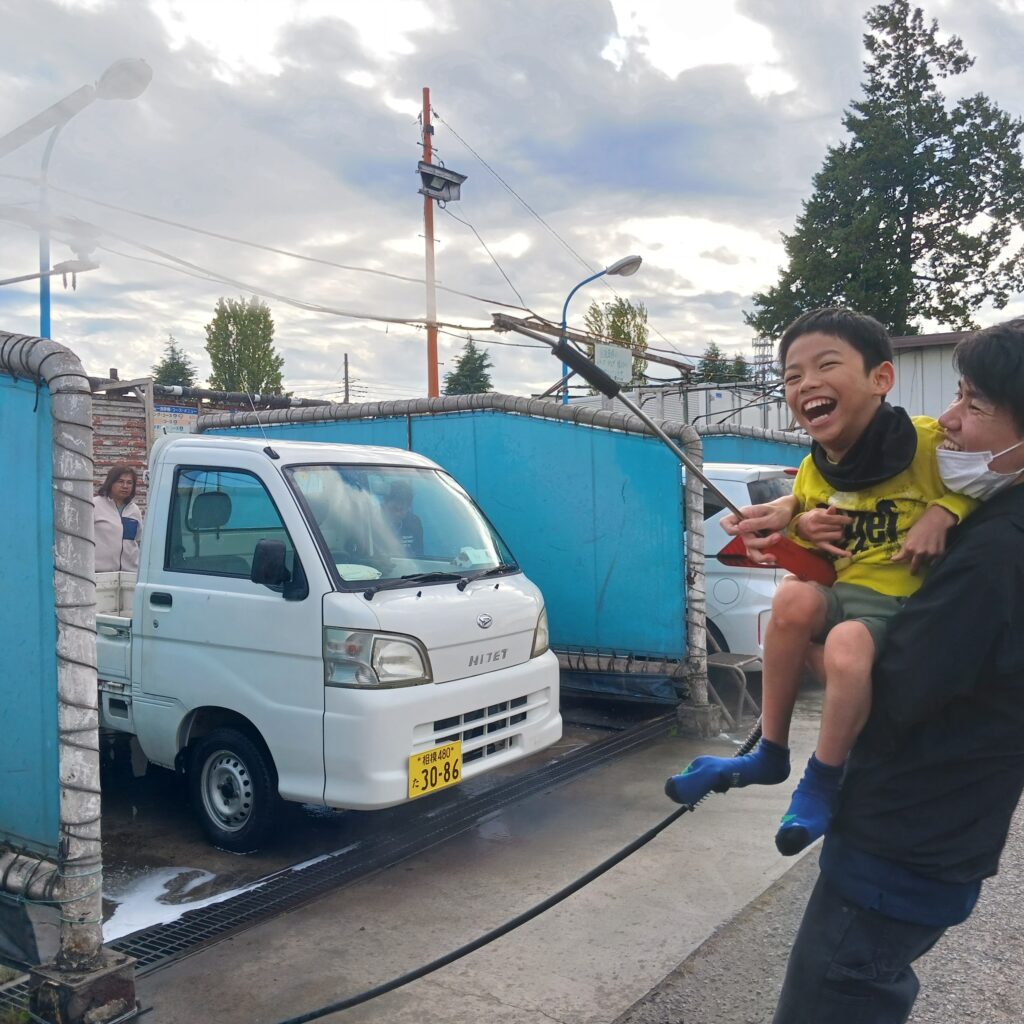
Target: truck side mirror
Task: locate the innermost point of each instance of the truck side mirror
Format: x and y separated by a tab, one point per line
268	564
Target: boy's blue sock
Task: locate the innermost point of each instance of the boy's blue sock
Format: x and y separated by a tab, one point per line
766	765
811	809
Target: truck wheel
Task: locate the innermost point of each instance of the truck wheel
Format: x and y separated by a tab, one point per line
232	786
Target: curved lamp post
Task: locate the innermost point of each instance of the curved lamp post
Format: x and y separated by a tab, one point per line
625	267
125	79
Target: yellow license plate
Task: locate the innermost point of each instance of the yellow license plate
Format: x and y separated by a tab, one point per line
435	769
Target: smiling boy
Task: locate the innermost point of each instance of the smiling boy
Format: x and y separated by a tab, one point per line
870	496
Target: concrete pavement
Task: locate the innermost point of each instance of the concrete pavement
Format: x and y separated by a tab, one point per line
973	974
586	961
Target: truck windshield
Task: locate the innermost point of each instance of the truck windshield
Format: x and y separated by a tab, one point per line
389	522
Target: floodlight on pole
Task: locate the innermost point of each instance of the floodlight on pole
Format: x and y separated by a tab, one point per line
625	267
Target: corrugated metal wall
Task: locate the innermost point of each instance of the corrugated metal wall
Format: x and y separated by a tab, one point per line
594	516
29	784
925	379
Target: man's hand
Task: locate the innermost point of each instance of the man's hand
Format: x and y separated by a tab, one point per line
825	528
926	539
769	519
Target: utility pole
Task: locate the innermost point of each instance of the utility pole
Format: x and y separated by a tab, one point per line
428	235
346	378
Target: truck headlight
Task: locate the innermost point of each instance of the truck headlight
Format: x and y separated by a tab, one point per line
540	635
358	658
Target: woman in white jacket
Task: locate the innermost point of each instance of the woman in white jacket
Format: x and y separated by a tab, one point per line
118	522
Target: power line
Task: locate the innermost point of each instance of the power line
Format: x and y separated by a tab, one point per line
265	248
196	270
489	253
513	192
590	269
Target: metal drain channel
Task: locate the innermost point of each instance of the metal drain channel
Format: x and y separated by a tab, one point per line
161	944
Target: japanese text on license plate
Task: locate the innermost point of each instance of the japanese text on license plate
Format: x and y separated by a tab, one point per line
435	769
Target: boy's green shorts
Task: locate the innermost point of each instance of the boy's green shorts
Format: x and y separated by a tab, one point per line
849	602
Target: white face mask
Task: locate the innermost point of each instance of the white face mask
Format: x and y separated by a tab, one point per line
968	472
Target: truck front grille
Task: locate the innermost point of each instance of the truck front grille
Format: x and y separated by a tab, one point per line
484	731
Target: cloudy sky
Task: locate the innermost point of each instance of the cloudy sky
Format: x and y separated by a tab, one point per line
683	130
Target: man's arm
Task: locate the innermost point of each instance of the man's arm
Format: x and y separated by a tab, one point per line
936	646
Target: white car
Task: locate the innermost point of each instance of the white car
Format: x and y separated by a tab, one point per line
739	598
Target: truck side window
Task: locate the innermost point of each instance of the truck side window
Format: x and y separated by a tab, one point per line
217	517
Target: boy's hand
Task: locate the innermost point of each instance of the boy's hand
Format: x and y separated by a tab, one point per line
926	539
824	527
769	519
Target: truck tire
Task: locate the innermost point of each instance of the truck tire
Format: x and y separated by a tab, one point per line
233	790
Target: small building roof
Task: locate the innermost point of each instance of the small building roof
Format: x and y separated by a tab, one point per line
942	338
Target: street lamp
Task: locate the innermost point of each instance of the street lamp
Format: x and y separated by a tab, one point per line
626	267
125	79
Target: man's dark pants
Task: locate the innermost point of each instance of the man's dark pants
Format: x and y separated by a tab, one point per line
850	965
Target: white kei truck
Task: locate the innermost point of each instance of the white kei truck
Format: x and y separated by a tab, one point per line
337	625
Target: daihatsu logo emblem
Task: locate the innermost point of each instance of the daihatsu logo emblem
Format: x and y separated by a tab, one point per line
484	621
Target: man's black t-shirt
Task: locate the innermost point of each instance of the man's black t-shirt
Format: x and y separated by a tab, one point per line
935	776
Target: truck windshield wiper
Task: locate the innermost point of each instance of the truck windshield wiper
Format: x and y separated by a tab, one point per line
497	570
416	577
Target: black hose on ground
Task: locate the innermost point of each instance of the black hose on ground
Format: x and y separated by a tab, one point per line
527	915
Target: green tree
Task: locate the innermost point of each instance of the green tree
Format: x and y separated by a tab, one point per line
740	370
714	366
175	369
470	376
912	216
622	321
240	343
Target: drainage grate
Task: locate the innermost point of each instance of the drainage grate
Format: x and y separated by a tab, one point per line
156	946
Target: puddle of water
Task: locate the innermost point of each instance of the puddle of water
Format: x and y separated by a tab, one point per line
164	895
156	898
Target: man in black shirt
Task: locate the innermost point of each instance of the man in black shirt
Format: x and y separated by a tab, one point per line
934	779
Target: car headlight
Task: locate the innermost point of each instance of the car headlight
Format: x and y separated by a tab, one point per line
358	658
540	635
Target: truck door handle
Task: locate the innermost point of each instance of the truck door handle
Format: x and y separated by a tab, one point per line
159	600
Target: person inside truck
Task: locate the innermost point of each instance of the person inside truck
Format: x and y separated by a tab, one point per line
404	524
118	521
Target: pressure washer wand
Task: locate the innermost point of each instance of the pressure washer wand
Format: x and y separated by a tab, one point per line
800	561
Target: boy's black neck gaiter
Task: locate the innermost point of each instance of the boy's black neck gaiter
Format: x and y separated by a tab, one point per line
887	446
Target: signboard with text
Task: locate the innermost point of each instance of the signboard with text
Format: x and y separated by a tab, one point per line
616	361
174	419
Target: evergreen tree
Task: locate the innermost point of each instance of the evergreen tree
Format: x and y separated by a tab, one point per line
621	321
714	366
913	216
240	343
740	370
470	376
175	369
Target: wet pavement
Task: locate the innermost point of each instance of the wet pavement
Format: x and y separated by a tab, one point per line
587	960
158	863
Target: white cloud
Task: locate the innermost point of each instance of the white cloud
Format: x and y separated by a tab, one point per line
712	256
293	124
676	37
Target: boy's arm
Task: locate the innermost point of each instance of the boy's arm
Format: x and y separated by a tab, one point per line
926	539
761	526
958	505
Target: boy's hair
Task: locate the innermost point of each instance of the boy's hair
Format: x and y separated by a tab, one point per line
993	361
861	331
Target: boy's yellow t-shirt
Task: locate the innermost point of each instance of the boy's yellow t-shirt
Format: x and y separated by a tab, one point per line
882	515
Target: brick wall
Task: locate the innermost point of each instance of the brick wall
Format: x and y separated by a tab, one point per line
119	435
